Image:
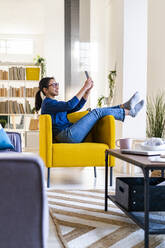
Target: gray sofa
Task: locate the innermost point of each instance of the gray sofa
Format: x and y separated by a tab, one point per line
16	141
23	208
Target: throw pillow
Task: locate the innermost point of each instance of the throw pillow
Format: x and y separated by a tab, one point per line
5	142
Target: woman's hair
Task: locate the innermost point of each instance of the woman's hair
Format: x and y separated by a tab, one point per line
44	83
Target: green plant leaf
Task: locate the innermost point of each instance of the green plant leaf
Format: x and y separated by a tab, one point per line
156	116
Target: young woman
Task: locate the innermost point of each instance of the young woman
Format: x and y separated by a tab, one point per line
63	130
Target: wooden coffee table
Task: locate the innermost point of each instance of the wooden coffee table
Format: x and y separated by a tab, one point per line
141	219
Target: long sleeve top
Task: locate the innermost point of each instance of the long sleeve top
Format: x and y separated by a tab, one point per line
59	110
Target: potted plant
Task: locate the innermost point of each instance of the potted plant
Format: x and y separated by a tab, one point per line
156	116
156	120
3	122
40	61
108	100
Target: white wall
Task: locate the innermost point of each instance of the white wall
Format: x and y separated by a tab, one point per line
116	52
156	46
84	20
22	17
54	41
98	52
43	21
135	62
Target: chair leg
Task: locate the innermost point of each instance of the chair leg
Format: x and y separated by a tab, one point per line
95	174
48	178
111	175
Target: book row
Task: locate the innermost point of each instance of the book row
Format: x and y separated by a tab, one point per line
20	73
13	107
18	92
16	73
4	75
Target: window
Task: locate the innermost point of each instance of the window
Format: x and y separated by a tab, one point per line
2	46
84	55
16	46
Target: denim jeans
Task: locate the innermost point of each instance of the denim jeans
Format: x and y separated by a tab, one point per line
79	130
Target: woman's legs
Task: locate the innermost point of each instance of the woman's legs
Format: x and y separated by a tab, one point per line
79	130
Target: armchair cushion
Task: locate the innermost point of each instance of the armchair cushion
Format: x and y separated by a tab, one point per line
84	154
5	142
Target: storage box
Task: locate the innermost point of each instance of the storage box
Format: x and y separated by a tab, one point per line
32	73
130	193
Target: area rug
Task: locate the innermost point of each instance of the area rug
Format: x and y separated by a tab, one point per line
81	222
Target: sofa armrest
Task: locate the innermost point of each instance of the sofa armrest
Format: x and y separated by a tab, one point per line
104	132
15	139
45	139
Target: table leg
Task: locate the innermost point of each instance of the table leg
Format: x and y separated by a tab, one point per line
111	175
162	173
146	208
106	180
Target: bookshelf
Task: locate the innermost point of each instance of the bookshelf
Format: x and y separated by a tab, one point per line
18	86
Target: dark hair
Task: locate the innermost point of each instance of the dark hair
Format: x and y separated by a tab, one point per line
44	82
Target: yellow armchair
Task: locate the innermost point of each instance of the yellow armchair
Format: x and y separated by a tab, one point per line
91	152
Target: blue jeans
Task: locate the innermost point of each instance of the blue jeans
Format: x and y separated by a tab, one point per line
79	130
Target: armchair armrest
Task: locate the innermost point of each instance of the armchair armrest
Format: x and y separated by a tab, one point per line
104	132
45	139
15	139
74	117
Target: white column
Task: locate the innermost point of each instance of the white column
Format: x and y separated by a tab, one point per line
156	47
54	41
98	52
135	62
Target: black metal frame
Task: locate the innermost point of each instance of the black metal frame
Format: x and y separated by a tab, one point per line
48	178
143	224
95	174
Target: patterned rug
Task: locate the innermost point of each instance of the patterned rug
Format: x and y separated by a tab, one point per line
81	222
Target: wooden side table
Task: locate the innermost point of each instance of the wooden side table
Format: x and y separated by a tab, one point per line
142	219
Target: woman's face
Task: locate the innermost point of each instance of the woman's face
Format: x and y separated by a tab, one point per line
53	88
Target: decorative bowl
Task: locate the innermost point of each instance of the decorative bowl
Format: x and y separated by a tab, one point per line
152	148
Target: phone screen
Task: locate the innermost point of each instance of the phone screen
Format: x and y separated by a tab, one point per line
87	75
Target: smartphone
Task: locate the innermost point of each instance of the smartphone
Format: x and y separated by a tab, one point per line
87	75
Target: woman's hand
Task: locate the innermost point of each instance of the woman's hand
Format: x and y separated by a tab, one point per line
88	84
85	90
85	96
91	86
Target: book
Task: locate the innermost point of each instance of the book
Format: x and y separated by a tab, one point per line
157	159
5	75
1	75
141	152
11	74
10	107
15	75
